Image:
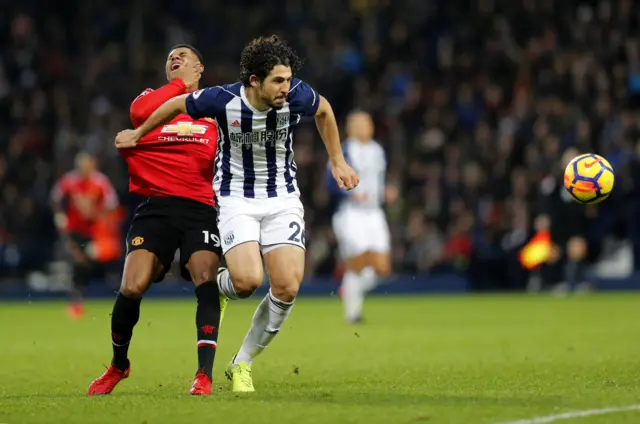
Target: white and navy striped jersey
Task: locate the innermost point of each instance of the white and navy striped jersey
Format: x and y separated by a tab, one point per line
255	154
369	161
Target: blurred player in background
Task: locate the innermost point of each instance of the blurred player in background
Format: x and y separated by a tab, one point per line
567	222
173	167
359	224
261	215
80	199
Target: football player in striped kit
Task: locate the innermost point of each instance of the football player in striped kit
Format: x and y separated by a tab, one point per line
260	213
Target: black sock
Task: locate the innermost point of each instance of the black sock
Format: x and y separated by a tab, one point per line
126	312
207	322
81	278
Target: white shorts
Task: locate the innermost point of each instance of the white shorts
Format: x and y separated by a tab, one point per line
361	230
270	222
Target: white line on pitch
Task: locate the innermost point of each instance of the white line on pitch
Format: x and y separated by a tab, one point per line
574	414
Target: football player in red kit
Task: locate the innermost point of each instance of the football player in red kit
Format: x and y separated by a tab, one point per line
80	199
173	167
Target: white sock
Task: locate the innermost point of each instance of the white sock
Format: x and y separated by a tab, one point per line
368	279
225	285
352	295
267	322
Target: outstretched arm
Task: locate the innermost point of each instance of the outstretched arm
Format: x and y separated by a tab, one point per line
165	113
344	175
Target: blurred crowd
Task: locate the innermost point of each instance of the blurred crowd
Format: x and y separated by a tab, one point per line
475	103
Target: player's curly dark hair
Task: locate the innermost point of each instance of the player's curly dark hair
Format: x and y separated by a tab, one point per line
261	55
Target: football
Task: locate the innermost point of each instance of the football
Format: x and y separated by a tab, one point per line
589	178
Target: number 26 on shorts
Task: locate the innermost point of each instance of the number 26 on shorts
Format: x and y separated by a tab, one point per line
298	235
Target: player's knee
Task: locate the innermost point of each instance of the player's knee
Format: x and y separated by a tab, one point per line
134	286
382	268
131	290
285	292
247	282
286	287
141	267
203	268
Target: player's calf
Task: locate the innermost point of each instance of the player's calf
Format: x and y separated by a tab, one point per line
363	272
82	272
125	315
286	268
378	266
139	269
202	267
266	324
207	326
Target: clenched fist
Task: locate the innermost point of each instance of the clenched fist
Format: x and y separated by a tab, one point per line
127	139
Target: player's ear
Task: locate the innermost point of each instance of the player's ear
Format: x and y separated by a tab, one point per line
200	67
253	81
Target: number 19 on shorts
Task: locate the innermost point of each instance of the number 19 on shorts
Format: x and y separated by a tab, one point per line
211	237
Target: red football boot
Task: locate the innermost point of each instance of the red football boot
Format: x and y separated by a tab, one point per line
201	385
76	310
105	384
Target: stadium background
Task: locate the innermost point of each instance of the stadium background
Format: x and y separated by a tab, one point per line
474	107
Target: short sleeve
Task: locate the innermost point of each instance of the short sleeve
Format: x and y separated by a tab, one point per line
303	99
205	103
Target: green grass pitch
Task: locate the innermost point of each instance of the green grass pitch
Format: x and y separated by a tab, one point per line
468	359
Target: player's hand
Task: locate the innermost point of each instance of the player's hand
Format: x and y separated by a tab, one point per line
188	74
127	139
344	175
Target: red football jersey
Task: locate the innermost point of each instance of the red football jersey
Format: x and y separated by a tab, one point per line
176	159
87	198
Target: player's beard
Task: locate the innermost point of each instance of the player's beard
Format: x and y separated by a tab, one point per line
273	105
269	101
